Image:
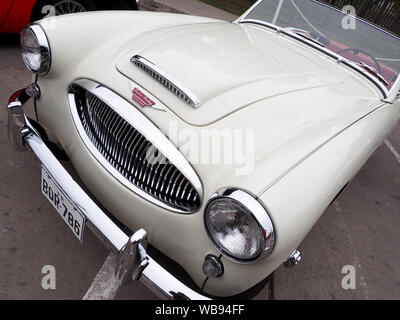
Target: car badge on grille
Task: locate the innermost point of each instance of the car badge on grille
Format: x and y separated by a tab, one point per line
142	100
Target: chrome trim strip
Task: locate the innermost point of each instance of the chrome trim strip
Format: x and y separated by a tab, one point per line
259	213
168	81
141	124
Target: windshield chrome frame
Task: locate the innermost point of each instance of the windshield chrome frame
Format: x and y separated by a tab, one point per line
388	95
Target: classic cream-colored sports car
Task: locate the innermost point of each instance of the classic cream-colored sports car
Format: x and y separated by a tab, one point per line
305	92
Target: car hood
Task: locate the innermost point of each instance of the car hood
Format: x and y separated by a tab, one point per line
291	98
226	66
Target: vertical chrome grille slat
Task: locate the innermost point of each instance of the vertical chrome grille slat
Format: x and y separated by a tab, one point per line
170	183
136	160
159	181
129	156
164	185
115	147
179	176
142	163
156	174
118	146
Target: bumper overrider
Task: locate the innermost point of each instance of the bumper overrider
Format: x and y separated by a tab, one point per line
133	261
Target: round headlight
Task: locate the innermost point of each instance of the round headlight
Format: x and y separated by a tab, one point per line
239	226
35	49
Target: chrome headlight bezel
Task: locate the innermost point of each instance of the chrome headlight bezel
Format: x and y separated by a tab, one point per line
43	48
258	213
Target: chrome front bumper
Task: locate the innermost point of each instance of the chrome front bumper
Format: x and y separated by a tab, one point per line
133	261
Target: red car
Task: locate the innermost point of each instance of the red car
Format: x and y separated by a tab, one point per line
15	14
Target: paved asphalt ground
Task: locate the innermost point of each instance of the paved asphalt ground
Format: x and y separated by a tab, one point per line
360	229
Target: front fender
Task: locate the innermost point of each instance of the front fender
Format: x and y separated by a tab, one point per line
298	199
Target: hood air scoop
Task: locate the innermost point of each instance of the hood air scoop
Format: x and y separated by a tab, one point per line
166	80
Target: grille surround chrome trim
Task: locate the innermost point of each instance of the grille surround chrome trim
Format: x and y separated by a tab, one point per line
167	81
145	127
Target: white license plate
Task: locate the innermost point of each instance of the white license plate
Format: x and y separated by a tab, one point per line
68	212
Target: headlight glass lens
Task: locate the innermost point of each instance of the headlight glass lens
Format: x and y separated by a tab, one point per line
35	50
234	229
30	50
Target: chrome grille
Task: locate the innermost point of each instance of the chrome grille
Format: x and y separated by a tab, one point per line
162	77
129	152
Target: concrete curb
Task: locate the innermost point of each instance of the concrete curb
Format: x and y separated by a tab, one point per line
152	5
190	7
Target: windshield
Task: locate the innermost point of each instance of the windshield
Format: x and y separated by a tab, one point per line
369	47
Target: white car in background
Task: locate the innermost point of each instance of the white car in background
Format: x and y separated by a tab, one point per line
319	99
